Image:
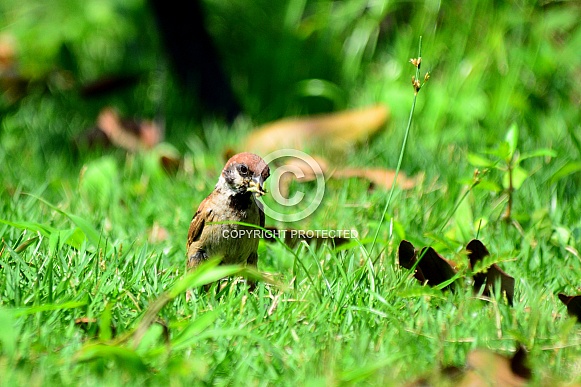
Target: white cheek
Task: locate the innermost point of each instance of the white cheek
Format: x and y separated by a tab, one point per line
238	181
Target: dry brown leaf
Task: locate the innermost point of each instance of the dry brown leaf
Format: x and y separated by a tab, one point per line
13	86
128	134
299	170
7	53
334	131
476	252
157	233
378	177
486	368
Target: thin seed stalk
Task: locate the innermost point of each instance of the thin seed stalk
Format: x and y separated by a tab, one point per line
403	147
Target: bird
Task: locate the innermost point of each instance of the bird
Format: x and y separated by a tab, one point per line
234	199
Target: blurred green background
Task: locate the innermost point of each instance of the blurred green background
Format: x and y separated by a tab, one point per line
491	62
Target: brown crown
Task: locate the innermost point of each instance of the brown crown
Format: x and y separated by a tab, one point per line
254	163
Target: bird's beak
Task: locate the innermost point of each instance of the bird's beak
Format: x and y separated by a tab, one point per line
255	186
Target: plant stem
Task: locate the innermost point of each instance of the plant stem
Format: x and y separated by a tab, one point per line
401	153
508	212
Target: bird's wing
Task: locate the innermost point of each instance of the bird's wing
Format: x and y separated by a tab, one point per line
197	224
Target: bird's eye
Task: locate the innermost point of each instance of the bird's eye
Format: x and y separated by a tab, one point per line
243	169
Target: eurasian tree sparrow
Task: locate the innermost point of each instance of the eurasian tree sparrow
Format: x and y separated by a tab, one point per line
233	200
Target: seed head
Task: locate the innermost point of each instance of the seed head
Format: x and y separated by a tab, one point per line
416	84
416	62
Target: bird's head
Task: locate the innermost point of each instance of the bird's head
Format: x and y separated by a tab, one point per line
244	172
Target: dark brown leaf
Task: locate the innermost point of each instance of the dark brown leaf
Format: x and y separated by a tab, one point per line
518	363
432	267
131	135
573	304
406	254
407	258
476	253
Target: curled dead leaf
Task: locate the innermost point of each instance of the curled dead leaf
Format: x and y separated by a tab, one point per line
486	368
476	253
573	304
483	368
334	131
296	169
431	268
378	177
128	134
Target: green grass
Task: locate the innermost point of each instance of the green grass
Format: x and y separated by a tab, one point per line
76	239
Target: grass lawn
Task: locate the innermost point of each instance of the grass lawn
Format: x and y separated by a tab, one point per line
93	286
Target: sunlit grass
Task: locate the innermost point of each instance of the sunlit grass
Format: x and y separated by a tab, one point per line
81	232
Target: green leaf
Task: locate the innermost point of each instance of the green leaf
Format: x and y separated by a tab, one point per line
512	140
479	161
86	227
561	236
43	229
74	237
565	171
502	151
489	185
543	152
519	175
